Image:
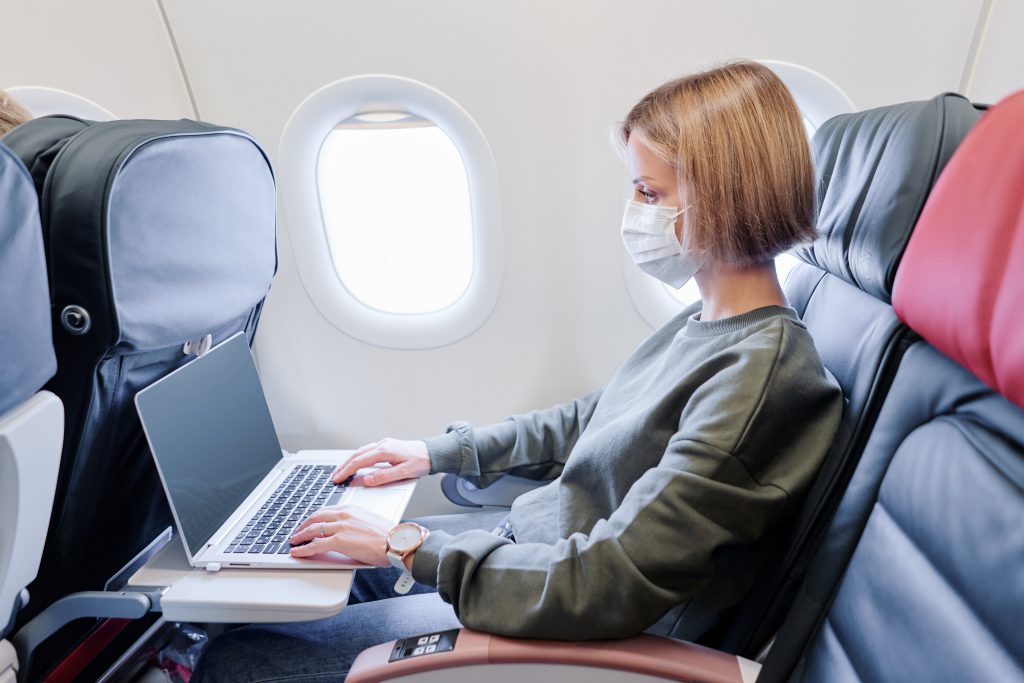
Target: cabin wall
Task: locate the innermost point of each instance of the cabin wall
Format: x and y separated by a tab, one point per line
113	52
998	65
545	81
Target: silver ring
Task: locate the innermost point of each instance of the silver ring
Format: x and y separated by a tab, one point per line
322	534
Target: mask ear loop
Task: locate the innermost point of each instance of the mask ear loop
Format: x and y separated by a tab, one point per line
699	254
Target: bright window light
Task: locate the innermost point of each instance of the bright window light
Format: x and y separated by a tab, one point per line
396	207
809	127
784	263
689	293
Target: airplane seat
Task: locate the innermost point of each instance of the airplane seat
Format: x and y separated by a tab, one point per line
874	171
160	238
919	575
31	420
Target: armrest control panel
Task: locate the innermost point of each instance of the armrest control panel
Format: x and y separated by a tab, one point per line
425	644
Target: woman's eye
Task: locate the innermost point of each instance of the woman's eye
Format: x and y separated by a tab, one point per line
648	195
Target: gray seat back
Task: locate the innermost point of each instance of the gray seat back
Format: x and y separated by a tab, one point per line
31	421
921	576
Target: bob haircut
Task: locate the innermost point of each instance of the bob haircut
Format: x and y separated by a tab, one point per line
736	140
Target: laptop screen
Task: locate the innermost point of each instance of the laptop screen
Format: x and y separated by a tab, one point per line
211	434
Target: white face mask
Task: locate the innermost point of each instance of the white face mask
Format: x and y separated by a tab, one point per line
649	233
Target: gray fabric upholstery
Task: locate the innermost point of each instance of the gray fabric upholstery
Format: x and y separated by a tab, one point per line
875	169
26	345
179	264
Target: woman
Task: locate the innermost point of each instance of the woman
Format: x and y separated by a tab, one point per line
663	484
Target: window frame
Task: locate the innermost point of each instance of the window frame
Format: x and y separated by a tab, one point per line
300	147
45	101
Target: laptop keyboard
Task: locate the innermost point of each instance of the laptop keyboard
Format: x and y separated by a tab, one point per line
304	491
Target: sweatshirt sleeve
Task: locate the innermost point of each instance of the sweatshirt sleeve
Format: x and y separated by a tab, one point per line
534	445
718	485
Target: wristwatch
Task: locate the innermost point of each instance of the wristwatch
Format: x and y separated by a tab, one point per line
403	539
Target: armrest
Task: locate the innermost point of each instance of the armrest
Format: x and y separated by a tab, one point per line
501	493
640	658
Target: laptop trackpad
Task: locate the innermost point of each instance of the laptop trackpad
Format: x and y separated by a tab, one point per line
382	501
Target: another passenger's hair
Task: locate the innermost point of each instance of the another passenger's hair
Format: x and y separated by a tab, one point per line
736	140
11	112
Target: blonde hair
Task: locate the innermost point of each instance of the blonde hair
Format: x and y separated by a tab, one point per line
736	140
11	112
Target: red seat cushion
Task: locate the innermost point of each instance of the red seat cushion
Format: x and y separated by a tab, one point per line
961	282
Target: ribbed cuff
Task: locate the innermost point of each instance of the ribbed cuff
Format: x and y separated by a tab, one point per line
428	557
445	453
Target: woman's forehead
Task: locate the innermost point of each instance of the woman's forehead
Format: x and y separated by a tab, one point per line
644	165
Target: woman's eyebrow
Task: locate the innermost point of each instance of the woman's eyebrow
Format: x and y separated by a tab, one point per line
639	178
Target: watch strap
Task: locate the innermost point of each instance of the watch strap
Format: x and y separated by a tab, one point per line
404	583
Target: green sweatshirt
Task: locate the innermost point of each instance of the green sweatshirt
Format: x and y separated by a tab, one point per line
661	486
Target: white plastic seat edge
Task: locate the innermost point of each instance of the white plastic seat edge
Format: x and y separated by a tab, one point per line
31	436
8	663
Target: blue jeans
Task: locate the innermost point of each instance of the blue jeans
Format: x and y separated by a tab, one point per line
321	651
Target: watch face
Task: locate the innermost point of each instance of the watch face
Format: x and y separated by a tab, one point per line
404	537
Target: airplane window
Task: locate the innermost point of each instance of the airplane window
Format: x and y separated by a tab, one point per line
809	127
396	209
688	294
389	193
784	263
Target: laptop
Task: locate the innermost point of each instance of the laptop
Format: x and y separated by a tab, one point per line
235	495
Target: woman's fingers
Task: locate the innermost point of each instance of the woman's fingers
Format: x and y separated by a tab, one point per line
390	474
413	456
358	452
354	464
368	459
314	547
325	514
360	535
321	529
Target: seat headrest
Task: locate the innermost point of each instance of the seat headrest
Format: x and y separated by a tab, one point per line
160	231
874	170
961	283
27	360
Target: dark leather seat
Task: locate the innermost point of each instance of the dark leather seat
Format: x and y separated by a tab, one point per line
874	171
921	575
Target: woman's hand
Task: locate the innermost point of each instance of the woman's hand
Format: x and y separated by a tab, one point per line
349	530
408	460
